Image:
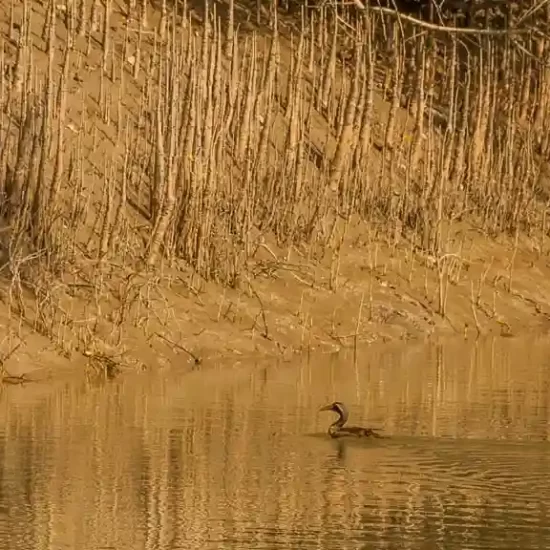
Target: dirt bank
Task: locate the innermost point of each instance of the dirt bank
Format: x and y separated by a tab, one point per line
134	236
381	294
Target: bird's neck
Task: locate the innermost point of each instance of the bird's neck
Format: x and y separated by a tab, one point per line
342	419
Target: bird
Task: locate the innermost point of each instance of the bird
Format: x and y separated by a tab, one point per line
337	429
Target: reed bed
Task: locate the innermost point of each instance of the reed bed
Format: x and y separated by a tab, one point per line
138	140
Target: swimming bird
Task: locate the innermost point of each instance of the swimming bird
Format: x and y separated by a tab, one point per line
337	429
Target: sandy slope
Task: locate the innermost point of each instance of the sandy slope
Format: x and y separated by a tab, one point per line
382	289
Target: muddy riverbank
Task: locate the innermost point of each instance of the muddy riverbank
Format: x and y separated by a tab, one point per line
157	253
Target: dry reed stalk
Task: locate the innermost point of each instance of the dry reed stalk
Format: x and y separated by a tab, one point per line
164	191
329	70
420	107
61	112
245	130
268	84
512	261
106	230
363	148
397	72
230	30
346	138
120	219
474	306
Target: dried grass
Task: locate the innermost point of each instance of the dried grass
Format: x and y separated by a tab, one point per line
135	141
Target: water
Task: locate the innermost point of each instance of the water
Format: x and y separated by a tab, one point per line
237	457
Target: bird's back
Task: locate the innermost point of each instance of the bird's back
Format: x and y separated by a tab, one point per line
355	431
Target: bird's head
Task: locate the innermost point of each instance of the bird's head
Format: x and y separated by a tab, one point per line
337	407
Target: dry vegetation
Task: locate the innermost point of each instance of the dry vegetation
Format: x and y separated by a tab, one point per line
177	180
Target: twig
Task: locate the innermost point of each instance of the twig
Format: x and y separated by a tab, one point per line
265	333
473	304
6	356
443	28
358	324
195	358
14	380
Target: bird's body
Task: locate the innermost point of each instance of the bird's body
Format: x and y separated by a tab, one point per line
338	429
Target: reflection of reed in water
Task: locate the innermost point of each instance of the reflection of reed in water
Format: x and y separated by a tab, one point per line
224	463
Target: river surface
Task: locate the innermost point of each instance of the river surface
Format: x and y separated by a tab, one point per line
237	456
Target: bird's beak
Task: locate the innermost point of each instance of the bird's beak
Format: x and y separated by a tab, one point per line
326	408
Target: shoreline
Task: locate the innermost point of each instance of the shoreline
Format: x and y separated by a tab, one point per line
280	318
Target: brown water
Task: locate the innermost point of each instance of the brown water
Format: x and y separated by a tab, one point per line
237	457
